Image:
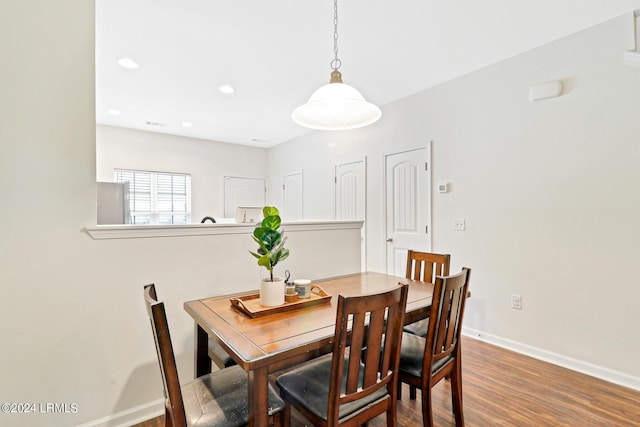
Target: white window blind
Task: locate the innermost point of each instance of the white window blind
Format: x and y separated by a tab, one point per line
157	197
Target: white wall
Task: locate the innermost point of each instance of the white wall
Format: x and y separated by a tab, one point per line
207	162
53	345
548	190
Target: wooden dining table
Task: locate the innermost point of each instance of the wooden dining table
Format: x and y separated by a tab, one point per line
267	344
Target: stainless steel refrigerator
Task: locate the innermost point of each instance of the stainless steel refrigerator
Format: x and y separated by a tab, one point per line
113	203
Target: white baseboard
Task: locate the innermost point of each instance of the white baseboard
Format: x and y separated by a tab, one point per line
131	416
581	366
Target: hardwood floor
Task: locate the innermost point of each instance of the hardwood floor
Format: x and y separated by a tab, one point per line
503	388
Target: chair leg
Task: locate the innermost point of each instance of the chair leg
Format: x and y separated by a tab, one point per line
412	392
427	412
392	419
456	394
167	418
276	420
286	415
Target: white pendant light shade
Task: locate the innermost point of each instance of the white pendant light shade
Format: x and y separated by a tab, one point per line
336	106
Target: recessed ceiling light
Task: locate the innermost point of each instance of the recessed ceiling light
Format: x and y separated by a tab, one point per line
226	89
128	63
187	124
114	112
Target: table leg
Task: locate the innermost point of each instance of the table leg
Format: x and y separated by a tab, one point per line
258	397
202	362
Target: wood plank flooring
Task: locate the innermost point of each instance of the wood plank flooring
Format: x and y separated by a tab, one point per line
503	388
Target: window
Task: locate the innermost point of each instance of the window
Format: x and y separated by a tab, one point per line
157	197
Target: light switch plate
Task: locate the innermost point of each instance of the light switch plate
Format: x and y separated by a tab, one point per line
459	224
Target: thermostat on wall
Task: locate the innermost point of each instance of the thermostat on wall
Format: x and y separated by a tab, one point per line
443	188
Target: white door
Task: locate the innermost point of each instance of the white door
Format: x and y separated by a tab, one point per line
239	191
350	190
292	196
408	199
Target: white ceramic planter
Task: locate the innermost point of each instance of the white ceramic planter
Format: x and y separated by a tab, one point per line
272	293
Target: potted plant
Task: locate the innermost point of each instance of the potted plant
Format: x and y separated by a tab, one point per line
270	252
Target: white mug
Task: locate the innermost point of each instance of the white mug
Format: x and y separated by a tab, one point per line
303	287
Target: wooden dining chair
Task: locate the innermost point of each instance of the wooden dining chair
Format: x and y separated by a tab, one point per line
426	361
218	399
425	266
343	389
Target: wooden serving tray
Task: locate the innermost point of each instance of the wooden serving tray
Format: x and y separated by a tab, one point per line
250	304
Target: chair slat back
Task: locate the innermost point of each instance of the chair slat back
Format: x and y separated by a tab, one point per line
373	322
174	407
425	266
447	309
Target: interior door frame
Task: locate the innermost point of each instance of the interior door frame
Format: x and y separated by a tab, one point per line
428	196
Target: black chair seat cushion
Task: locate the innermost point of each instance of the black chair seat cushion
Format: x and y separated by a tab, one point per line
309	386
412	355
220	356
220	399
418	328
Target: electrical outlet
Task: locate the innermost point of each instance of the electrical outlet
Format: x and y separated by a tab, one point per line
459	224
516	302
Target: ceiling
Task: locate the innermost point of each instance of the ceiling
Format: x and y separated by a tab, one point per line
276	53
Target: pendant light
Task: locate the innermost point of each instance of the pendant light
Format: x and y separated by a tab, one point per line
336	106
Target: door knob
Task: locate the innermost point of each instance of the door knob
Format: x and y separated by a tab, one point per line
389	239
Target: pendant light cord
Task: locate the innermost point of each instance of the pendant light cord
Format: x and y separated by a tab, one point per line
335	63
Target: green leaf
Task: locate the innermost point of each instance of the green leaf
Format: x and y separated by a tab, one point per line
270	211
263	249
270	239
271	222
280	244
259	231
265	261
280	255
